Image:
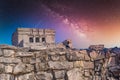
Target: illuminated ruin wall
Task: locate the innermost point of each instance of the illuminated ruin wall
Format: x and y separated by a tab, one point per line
57	64
33	37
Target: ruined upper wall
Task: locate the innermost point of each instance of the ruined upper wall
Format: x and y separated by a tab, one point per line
35	31
55	64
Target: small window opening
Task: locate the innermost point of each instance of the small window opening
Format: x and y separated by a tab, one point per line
37	39
43	40
31	40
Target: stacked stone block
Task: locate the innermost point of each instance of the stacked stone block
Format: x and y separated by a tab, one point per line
55	64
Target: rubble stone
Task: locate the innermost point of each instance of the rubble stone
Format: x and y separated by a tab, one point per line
75	56
8	69
88	64
75	74
78	64
22	68
24	54
6	77
8	53
55	57
9	60
59	74
93	54
60	65
44	76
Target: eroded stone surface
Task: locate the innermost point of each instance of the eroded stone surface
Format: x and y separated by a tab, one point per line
44	76
9	60
22	68
75	74
75	56
60	74
60	65
8	53
8	69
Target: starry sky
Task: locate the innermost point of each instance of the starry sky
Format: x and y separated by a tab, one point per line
85	22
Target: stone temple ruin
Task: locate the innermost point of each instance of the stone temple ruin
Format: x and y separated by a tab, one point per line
33	38
19	62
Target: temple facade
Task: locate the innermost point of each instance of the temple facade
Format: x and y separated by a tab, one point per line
33	37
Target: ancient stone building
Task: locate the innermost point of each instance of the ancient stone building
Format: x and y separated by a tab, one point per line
32	37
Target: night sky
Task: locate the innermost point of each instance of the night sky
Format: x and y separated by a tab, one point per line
85	22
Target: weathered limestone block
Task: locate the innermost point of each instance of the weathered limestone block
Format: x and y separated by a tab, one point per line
41	66
75	56
9	60
59	74
25	77
75	74
78	64
96	47
55	57
60	45
44	76
88	65
42	56
32	60
1	53
8	53
51	53
23	68
6	77
28	60
62	53
86	57
87	73
60	65
8	69
38	60
41	53
42	59
62	58
93	54
8	47
24	54
2	68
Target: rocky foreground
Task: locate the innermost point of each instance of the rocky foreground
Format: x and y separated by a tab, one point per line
96	63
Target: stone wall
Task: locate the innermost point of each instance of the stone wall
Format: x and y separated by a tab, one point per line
56	64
